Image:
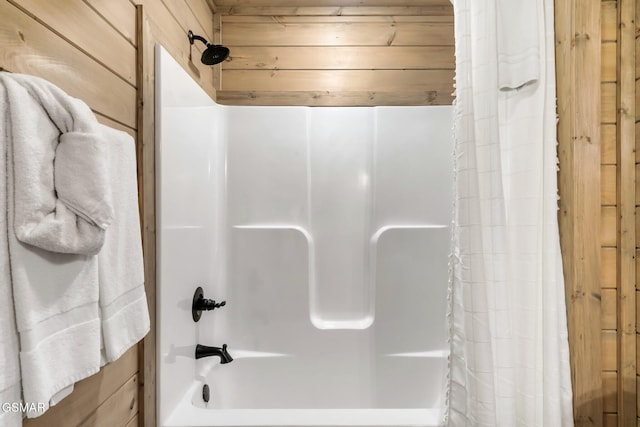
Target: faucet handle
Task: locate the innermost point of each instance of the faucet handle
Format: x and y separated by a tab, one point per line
200	304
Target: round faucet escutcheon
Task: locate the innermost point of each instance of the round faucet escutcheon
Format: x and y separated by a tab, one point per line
200	304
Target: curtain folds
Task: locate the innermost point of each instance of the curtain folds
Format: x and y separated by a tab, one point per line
509	361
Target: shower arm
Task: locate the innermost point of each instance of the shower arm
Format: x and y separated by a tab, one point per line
193	37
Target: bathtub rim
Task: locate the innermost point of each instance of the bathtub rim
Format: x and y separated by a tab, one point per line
187	415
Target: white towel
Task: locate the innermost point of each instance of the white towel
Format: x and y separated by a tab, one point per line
9	350
55	294
60	182
123	302
518	43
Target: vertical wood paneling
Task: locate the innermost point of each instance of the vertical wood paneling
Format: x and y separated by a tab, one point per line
626	189
609	197
578	47
146	183
637	202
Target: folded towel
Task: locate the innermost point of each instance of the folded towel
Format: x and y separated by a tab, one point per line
9	350
518	43
55	294
123	302
60	182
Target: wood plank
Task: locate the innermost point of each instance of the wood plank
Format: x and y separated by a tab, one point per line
608	270
120	13
610	420
83	27
637	222
637	90
339	80
638	364
609	343
262	3
608	187
637	139
316	19
609	21
338	34
609	309
29	47
638	341
203	13
217	39
609	136
108	122
293	10
609	103
88	394
340	58
609	63
637	318
326	98
578	35
146	196
135	421
609	392
182	13
626	96
637	190
332	99
118	409
637	62
608	227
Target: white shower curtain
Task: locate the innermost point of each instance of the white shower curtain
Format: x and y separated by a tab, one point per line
509	362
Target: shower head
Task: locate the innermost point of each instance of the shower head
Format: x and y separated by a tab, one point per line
213	54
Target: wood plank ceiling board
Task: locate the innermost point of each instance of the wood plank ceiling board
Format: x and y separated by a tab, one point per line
324	3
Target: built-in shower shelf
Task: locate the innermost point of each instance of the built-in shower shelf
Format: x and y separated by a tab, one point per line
386	228
298	228
433	354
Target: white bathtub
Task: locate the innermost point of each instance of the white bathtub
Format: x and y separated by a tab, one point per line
326	231
260	390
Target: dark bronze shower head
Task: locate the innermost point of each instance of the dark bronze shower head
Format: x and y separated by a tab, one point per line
213	54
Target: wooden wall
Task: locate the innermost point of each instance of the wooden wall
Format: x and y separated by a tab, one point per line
337	55
618	204
597	141
91	49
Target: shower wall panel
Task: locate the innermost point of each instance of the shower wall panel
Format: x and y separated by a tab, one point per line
342	177
326	231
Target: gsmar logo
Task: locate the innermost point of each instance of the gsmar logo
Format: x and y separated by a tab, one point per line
24	407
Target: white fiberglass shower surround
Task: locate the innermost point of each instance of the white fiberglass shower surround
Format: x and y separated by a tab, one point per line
327	233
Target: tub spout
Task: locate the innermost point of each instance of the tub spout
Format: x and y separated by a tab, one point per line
204	351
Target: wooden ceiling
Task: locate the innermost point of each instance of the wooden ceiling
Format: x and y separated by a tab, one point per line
333	3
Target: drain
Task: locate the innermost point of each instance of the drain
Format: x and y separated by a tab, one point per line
206	393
